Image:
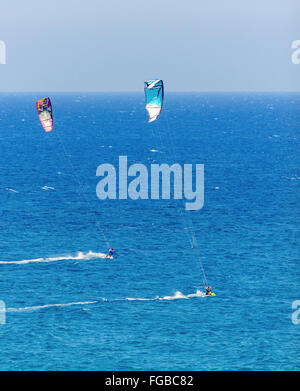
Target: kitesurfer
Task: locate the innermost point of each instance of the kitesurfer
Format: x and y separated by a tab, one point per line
111	252
208	290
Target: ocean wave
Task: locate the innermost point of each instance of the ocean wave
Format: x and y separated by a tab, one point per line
12	190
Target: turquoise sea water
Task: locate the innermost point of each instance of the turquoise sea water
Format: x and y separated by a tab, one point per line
69	309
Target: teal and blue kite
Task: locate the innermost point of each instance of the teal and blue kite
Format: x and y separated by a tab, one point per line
154	94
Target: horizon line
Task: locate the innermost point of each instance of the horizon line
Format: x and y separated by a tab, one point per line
141	91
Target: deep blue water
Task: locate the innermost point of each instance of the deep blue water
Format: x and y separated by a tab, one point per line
83	313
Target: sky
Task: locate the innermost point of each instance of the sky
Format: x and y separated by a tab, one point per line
193	45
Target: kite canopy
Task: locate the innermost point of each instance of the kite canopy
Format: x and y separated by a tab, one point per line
45	113
154	94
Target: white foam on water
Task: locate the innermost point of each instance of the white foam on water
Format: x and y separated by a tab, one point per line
138	299
79	256
10	189
292	178
177	295
156	150
40	307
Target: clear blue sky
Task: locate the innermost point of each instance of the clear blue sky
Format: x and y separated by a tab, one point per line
114	45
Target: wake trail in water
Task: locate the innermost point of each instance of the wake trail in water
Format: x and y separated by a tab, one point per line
177	295
40	307
79	256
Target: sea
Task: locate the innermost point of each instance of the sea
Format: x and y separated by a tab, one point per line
64	306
